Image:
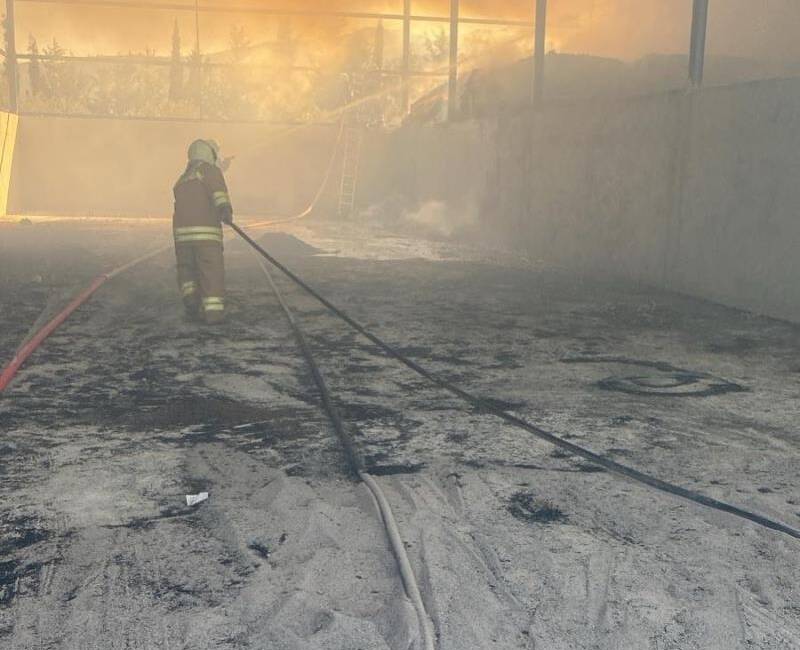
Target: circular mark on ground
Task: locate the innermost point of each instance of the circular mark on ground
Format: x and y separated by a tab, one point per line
671	384
661	379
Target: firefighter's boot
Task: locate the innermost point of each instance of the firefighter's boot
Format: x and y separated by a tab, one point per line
191	308
214	310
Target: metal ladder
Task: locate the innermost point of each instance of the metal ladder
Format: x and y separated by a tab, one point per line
351	159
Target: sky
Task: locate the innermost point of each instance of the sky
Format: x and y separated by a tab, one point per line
626	29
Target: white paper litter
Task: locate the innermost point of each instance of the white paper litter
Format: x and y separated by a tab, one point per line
194	499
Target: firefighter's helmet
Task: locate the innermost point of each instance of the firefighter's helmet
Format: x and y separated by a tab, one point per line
205	151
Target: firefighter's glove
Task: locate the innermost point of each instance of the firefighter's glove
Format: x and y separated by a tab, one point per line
227	215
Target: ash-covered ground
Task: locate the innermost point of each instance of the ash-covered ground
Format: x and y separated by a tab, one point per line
128	408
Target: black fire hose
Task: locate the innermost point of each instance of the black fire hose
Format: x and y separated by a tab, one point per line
356	467
486	406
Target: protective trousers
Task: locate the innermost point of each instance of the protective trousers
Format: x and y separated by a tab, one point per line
201	279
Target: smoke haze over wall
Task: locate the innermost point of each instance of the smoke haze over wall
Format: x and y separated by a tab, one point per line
618	28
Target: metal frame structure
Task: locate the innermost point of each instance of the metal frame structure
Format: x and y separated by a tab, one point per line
233	9
166	62
452	80
406	92
454	20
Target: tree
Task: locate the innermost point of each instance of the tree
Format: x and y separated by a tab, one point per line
195	89
4	91
176	67
34	68
378	48
438	46
239	43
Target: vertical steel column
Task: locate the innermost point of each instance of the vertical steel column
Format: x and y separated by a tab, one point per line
11	58
452	86
539	53
406	94
683	147
697	53
198	59
197	26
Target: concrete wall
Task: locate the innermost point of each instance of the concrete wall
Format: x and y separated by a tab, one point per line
737	237
126	167
695	192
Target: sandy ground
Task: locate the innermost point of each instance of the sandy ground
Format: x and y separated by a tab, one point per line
128	408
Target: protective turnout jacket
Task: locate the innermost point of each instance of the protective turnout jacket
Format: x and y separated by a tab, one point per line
201	204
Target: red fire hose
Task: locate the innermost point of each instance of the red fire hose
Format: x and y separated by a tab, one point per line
10	371
31	346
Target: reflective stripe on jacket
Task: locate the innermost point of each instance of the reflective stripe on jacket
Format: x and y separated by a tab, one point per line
189	234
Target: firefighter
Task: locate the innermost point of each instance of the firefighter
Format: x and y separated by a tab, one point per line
202	205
